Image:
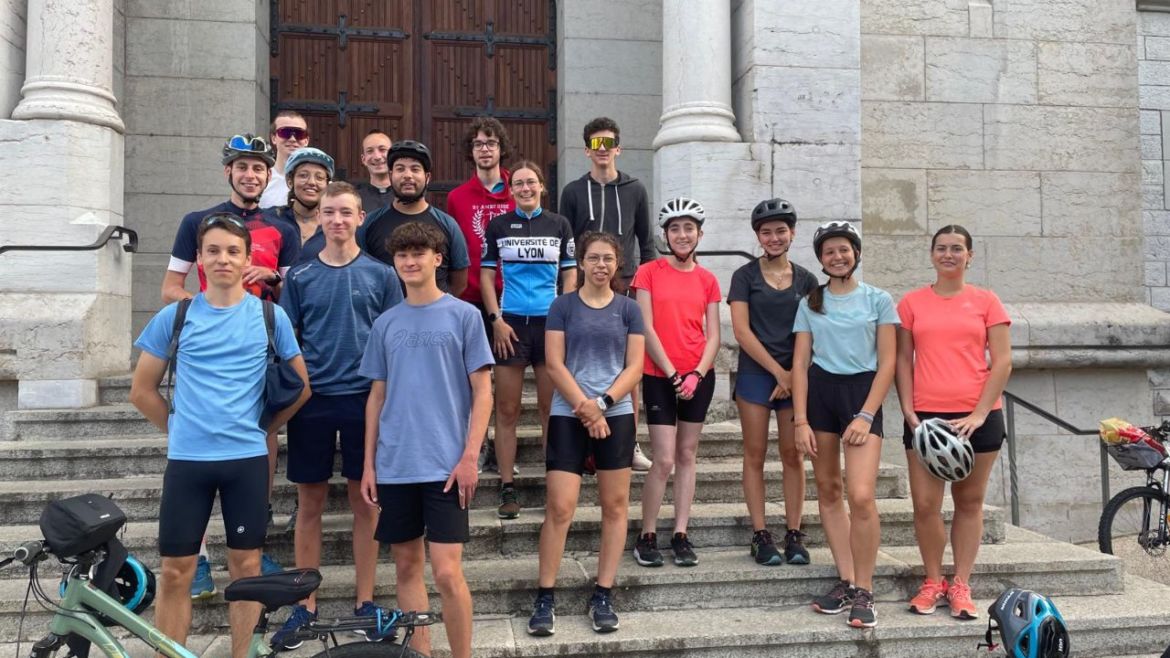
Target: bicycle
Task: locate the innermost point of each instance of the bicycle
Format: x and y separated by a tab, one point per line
84	612
1135	524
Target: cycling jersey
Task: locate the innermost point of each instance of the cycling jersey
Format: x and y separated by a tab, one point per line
530	251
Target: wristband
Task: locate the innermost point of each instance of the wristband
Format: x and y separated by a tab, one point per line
864	414
799	423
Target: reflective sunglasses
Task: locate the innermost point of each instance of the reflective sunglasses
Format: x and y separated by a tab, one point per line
293	132
248	143
595	143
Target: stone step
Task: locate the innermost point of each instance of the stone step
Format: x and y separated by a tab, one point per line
116	420
126	456
138	496
712	526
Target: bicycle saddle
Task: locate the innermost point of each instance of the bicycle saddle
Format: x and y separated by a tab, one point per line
276	590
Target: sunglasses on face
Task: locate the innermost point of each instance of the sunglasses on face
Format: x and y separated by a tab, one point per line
292	132
223	220
595	143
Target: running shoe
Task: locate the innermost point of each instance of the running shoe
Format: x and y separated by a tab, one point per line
641	462
764	549
286	638
370	609
646	551
794	550
959	599
269	565
601	613
684	551
543	621
487	457
836	600
509	505
929	596
863	614
202	587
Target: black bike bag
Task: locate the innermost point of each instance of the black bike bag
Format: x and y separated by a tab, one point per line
72	526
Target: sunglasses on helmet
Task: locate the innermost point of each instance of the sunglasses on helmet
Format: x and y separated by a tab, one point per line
248	143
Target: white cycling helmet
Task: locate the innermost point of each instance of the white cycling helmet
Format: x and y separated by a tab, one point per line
679	208
942	451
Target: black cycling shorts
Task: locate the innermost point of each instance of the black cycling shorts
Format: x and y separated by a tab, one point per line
664	407
188	492
569	444
313	438
988	438
528	348
411	510
834	400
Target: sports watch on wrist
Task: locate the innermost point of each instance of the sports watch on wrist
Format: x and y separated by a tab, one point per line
492	317
604	402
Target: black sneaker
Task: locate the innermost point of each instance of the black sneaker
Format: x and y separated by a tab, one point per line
684	552
764	549
836	601
544	617
601	613
646	551
287	638
794	550
862	614
487	457
509	504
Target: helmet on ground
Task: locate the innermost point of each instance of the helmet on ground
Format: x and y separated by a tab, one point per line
679	208
1029	625
408	148
308	155
247	145
836	229
773	210
942	451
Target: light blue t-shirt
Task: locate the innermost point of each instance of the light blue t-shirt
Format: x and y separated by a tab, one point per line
845	335
219	379
333	309
595	346
424	354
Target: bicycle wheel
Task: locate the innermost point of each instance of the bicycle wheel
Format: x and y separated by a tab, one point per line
1129	529
370	650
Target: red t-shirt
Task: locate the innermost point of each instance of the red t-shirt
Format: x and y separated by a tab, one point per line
950	345
679	301
473	207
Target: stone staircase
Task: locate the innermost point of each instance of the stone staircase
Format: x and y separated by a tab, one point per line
725	606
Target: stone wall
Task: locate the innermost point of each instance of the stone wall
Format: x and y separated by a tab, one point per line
195	73
12	39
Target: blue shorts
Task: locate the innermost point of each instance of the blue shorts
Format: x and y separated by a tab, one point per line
756	388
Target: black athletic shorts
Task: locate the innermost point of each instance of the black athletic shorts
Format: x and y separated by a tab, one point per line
529	344
834	400
188	492
987	438
664	407
411	510
313	442
569	444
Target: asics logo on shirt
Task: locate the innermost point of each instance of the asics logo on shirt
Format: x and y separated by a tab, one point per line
416	339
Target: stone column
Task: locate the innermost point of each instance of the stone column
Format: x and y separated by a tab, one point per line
696	73
69	68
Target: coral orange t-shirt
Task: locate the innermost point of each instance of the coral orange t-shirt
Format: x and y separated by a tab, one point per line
679	301
950	345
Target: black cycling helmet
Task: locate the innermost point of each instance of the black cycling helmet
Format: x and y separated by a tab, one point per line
247	145
772	210
1029	625
408	148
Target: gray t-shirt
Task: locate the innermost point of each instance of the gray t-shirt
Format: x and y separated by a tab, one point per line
595	346
771	312
424	354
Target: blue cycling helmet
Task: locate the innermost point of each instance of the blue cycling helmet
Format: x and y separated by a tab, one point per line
308	155
1029	625
134	587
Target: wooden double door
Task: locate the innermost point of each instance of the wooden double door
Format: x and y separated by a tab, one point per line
418	69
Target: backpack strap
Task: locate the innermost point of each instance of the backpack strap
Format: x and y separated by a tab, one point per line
270	326
173	348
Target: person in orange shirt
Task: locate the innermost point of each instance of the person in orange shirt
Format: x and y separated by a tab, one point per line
942	371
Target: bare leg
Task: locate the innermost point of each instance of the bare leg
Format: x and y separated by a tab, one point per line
243	615
509	387
654	486
861	467
307	535
562	490
614	491
409	561
831	502
544	391
365	547
967	528
927	493
686	449
793	469
754	420
447	565
172	608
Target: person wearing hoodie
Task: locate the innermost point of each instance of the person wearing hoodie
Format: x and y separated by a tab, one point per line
610	201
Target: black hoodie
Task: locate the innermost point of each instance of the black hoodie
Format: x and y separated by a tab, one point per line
624	212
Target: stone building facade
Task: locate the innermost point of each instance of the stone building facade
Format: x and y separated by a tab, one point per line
1036	123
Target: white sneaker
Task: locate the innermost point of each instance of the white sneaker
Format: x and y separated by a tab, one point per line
641	463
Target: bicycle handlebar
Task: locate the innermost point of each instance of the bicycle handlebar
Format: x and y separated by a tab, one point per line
26	554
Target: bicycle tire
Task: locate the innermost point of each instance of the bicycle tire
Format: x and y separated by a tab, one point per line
1125	518
361	649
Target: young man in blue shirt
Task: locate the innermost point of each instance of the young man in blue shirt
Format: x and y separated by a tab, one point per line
215	444
332	301
426	416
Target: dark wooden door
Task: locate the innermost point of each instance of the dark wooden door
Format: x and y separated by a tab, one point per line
418	69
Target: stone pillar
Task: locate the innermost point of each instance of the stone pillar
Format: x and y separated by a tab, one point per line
69	67
696	73
64	316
